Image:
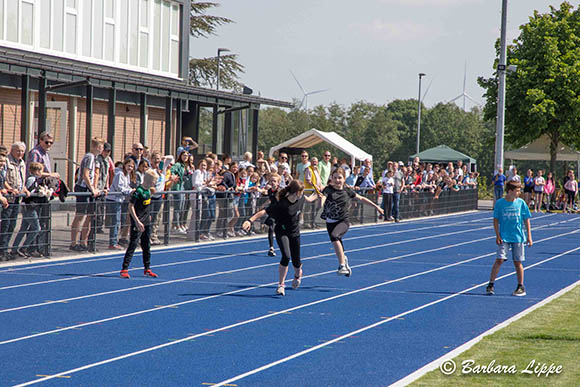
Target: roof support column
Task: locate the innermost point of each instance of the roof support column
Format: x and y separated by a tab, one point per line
214	130
111	119
24	106
42	104
178	123
89	118
255	114
168	124
143	121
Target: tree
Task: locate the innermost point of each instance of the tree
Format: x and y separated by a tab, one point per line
203	71
543	96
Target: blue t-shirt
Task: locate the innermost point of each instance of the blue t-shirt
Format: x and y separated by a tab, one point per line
528	181
511	216
500	180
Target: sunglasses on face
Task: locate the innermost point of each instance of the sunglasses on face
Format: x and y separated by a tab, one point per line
284	158
326	155
138	149
49	142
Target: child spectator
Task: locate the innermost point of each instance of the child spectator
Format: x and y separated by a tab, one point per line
388	189
571	188
539	184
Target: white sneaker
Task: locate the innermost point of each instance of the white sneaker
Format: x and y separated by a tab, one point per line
347	266
296	282
342	270
281	290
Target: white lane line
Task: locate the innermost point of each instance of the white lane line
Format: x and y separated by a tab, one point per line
155	284
266	316
378	323
464	347
219	257
245	290
78	260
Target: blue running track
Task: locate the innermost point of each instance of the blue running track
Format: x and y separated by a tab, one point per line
212	317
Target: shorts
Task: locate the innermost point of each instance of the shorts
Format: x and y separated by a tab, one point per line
86	203
528	189
517	249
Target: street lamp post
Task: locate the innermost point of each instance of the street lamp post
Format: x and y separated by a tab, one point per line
220	50
501	73
421	75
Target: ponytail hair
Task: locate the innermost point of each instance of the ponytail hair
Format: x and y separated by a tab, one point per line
294	186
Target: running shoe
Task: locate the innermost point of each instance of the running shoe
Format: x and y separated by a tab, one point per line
347	267
281	290
149	273
520	291
490	290
296	282
125	274
271	252
343	270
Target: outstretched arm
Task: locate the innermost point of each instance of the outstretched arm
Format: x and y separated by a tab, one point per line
369	202
248	223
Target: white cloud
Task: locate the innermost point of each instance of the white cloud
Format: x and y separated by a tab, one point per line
400	31
433	3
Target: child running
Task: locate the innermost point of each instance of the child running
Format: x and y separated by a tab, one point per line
286	213
509	216
140	211
271	190
336	205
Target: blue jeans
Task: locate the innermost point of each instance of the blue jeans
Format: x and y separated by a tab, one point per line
178	206
30	227
114	215
498	192
208	214
395	205
7	225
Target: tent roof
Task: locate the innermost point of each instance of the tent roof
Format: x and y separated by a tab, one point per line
540	150
314	136
442	153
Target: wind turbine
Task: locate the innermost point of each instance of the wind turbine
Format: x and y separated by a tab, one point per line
305	94
464	94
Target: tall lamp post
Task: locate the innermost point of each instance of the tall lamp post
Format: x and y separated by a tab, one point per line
501	72
421	75
220	50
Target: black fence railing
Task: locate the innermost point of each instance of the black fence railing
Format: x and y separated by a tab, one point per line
47	229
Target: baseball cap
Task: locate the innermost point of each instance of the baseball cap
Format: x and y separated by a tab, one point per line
107	146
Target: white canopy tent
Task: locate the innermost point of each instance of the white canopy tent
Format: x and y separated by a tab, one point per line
540	150
314	136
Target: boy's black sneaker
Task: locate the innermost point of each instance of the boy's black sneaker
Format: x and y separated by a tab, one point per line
520	291
271	252
490	291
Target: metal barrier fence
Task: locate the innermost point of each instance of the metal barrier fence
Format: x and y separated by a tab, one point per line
46	229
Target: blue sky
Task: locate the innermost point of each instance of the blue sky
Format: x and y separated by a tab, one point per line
369	50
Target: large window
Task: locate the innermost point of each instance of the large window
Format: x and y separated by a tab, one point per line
139	35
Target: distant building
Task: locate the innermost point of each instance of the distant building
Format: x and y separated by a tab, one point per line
117	69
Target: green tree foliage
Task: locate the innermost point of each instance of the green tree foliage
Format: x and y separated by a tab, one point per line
543	96
386	132
203	71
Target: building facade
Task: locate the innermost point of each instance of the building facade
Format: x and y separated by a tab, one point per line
117	69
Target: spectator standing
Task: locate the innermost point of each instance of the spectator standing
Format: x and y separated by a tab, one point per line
178	170
367	163
15	185
302	165
344	165
549	189
187	144
223	191
498	184
30	225
104	180
513	176
528	186
325	166
85	207
247	161
539	183
283	162
312	182
119	190
164	183
3	190
388	189
352	178
571	188
398	187
367	182
137	154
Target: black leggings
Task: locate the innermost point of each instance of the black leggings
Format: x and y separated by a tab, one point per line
270	223
142	238
337	230
290	248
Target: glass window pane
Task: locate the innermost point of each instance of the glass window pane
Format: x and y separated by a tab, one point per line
134	32
156	35
45	25
58	26
174	20
71	33
2	19
71	3
144	13
98	29
124	31
144	50
109	42
109	9
87	27
12	21
165	37
27	26
174	57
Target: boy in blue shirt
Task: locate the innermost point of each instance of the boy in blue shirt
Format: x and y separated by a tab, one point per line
509	216
498	183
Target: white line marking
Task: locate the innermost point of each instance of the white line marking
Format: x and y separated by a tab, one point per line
464	347
378	323
263	317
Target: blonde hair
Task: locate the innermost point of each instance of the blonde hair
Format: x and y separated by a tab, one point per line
35	167
96	141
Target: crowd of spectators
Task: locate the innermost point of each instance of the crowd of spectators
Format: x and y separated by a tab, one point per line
214	186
